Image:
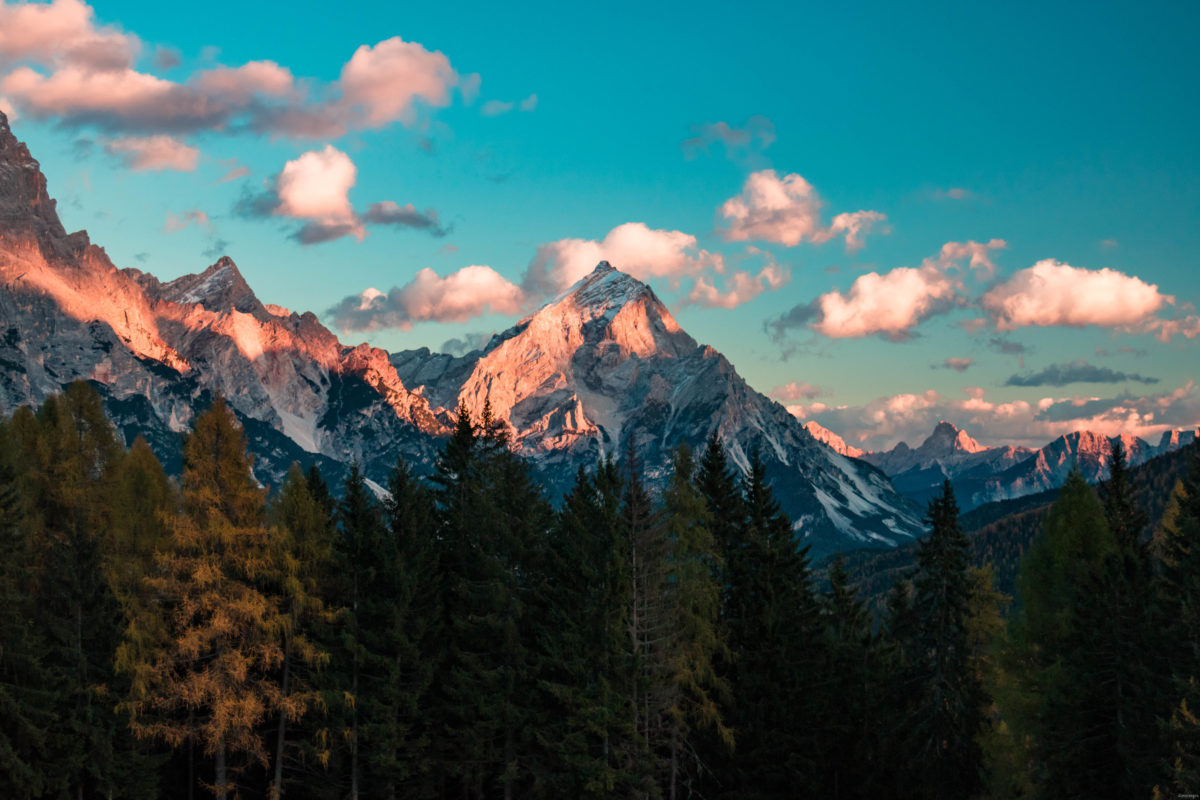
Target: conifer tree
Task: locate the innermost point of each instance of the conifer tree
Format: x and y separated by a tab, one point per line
214	683
693	600
304	547
25	680
1178	601
951	701
72	467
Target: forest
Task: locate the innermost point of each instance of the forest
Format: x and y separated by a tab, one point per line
204	636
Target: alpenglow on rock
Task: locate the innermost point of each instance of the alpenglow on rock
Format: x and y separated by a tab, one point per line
603	364
158	352
607	362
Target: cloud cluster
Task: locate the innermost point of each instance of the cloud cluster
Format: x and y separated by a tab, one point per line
457	297
155	153
68	68
787	211
494	108
1050	293
633	247
883	422
314	189
796	391
956	364
1075	372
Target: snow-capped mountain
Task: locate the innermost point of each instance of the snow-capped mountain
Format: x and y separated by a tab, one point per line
158	352
607	361
604	363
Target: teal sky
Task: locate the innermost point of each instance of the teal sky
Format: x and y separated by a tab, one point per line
1068	131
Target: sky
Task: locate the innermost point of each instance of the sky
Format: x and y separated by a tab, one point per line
884	214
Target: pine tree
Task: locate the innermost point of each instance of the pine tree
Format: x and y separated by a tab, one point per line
214	683
1178	602
693	599
951	701
774	629
304	547
72	466
26	685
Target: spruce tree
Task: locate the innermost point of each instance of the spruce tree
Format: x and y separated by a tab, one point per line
951	700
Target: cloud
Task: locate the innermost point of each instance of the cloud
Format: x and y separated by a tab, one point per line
741	286
85	75
176	223
385	82
793	392
468	87
316	187
166	58
979	255
1109	244
953	193
755	136
1008	347
1052	293
634	248
62	32
461	295
239	87
956	364
881	423
494	108
236	171
155	153
122	100
1075	372
216	248
388	212
468	343
787	211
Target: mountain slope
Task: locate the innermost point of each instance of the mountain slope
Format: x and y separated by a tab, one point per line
159	352
607	362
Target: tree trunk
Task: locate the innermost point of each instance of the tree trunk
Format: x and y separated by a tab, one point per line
277	784
220	786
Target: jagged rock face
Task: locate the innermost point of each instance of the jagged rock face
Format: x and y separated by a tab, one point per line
607	362
832	440
1048	467
158	352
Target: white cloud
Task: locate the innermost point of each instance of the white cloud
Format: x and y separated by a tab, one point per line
316	187
457	297
740	287
787	211
385	81
1053	293
634	247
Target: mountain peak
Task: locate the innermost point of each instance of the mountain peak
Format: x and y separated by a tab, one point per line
221	287
949	438
25	206
606	288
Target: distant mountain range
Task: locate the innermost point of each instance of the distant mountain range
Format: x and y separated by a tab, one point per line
603	364
985	474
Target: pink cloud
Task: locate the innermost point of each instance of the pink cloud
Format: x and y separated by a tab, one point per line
384	81
787	211
155	153
793	392
978	253
121	99
891	304
740	287
1053	293
494	108
634	248
457	297
316	187
62	31
176	223
239	86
